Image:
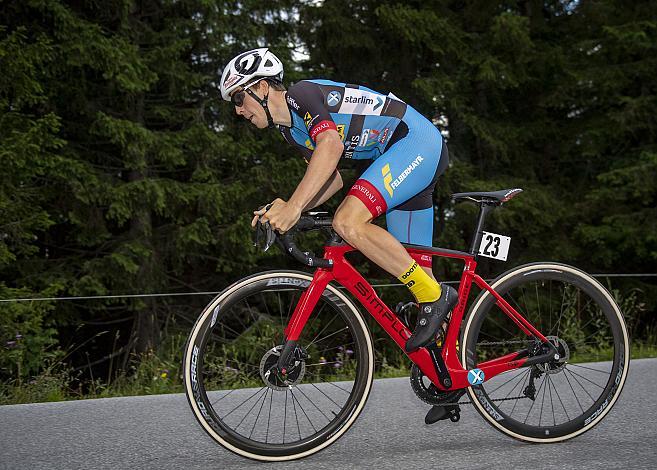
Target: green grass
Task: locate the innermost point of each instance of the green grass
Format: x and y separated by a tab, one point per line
153	375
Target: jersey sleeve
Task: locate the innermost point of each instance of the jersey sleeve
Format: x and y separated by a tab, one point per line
307	101
303	150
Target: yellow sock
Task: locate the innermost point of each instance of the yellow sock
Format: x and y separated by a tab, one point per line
420	284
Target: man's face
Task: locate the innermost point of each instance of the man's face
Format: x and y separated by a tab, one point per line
251	109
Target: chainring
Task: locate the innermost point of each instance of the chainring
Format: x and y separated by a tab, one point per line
428	392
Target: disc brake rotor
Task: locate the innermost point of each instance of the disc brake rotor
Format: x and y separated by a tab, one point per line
271	375
556	366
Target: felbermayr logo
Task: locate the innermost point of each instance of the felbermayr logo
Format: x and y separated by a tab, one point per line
391	184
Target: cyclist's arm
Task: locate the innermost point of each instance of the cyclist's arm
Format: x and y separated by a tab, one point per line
322	165
332	186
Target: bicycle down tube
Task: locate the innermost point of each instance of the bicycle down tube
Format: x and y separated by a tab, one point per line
346	275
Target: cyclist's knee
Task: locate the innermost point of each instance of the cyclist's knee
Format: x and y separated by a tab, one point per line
347	225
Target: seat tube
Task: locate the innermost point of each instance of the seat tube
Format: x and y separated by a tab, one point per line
479	232
307	303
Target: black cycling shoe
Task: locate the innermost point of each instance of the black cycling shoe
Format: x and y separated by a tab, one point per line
431	316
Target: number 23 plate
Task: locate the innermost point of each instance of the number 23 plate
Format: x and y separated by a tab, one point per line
494	246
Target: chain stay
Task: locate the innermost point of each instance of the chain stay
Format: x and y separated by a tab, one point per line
493	343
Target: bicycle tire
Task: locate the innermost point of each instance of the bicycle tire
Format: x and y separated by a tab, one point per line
602	306
201	405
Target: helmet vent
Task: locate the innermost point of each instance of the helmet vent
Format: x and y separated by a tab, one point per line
269	63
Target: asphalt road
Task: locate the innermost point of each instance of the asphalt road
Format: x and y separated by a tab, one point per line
159	432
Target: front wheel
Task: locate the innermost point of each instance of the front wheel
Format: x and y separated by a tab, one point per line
561	399
235	389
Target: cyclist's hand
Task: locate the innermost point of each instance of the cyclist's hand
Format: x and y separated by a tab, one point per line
259	213
281	215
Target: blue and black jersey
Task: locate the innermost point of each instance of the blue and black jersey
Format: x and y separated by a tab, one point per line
366	120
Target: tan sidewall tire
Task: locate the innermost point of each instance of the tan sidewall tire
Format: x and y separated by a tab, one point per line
208	311
505	277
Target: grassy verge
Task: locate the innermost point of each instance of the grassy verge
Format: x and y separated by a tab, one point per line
154	375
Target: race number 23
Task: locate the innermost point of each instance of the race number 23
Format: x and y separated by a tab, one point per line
494	246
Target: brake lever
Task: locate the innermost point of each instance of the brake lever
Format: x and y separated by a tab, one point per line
264	230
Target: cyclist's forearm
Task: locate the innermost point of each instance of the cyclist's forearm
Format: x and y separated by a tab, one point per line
322	165
332	186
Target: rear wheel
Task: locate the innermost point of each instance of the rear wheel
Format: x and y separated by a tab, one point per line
561	399
234	387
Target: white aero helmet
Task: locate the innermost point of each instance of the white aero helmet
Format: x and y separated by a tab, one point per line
249	65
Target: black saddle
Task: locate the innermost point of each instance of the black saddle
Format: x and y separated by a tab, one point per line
494	197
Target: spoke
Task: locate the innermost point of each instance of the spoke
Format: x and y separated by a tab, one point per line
251	314
336	347
522	388
271	399
494	321
323	363
328	336
238	406
534	401
574	394
313	403
580	384
315	317
591	319
322	331
264	399
223	397
294	406
226	327
588	380
583	341
303	411
322	392
590	368
546	379
280	311
348	392
550	303
285	416
560	401
554	418
497	388
264	298
248	412
563	300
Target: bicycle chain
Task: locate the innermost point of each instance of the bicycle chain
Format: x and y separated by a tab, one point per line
492	399
499	343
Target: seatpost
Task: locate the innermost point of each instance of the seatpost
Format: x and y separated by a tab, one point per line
484	209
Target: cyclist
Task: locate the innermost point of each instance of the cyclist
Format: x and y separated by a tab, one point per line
329	120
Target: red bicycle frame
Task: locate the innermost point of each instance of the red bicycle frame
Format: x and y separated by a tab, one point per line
346	275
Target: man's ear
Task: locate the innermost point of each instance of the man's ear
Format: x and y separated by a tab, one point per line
263	87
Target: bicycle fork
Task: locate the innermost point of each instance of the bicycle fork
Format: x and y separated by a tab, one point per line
302	311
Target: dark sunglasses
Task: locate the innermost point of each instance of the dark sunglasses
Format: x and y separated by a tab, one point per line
238	98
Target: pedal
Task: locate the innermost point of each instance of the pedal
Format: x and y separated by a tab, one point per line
403	309
442	412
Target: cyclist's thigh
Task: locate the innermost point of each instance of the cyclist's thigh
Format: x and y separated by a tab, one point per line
406	169
412	221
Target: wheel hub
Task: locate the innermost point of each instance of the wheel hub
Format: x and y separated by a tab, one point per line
563	351
281	379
